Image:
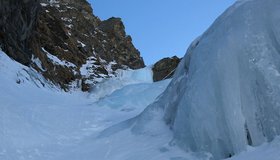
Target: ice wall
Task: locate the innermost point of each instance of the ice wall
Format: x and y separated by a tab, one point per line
225	94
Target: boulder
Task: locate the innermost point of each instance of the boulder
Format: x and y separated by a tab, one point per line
165	68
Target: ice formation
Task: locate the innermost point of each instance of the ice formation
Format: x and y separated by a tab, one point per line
225	94
123	78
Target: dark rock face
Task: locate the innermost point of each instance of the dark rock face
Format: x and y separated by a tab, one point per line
17	22
125	53
165	68
64	41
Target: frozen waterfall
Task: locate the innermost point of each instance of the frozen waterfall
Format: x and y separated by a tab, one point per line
225	94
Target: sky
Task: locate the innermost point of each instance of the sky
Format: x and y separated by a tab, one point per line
162	28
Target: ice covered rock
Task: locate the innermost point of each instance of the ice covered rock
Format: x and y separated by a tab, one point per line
225	94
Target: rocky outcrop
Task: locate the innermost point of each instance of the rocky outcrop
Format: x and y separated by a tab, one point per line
64	41
165	68
125	53
17	22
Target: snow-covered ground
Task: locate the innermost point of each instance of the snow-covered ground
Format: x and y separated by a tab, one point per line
40	122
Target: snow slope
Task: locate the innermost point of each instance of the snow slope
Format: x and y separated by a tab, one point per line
267	151
38	121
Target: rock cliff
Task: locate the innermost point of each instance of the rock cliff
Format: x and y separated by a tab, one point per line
65	41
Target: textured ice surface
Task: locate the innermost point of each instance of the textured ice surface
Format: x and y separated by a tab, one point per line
123	78
225	94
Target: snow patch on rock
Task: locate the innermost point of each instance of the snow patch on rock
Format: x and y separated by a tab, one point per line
57	61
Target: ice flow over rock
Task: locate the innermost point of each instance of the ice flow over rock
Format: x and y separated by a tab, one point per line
225	94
